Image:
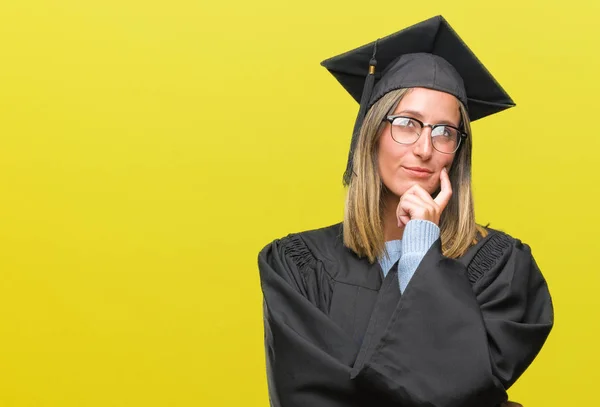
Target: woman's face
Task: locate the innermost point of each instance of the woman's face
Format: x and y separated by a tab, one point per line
403	165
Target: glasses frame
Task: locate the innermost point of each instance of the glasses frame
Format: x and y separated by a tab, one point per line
461	133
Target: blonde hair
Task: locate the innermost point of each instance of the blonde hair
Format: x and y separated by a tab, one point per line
363	217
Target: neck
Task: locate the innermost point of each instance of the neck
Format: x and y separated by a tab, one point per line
391	231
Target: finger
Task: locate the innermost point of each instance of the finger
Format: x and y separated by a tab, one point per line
402	213
419	209
403	220
399	212
445	194
402	217
412	190
416	208
419	191
416	200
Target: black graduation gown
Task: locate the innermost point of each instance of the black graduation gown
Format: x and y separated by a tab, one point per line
338	334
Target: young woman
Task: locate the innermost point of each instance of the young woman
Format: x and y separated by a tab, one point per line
408	302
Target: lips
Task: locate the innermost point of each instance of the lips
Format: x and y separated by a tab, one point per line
418	172
419	169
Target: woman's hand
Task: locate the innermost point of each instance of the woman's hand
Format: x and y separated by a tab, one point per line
416	203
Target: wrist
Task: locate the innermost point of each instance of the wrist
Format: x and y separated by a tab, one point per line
419	235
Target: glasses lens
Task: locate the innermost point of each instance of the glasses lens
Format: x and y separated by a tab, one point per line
445	139
405	130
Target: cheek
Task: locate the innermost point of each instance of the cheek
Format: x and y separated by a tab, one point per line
434	183
389	153
389	158
446	162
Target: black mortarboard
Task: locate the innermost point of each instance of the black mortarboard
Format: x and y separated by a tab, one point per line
429	54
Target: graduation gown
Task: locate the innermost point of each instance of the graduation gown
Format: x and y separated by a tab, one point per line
337	333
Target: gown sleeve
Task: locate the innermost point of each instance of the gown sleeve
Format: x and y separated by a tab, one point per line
308	357
461	335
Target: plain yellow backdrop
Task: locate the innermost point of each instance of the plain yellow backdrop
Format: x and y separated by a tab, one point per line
150	149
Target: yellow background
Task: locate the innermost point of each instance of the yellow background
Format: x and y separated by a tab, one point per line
149	149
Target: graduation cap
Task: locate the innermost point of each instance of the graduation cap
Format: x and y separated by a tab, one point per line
429	54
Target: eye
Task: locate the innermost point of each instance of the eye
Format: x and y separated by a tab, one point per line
404	122
446	132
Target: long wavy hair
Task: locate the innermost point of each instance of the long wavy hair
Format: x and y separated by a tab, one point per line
363	217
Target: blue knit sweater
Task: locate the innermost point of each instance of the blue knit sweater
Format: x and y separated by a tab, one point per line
418	237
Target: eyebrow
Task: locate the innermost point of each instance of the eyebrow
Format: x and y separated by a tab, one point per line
418	115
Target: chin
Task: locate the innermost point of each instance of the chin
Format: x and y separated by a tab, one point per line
400	187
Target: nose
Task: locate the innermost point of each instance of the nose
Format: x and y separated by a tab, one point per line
423	147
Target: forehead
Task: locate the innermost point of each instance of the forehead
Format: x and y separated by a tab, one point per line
432	106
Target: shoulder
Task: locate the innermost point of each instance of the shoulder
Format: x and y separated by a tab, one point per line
310	245
321	250
495	252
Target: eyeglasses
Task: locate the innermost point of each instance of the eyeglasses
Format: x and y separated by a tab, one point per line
407	130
